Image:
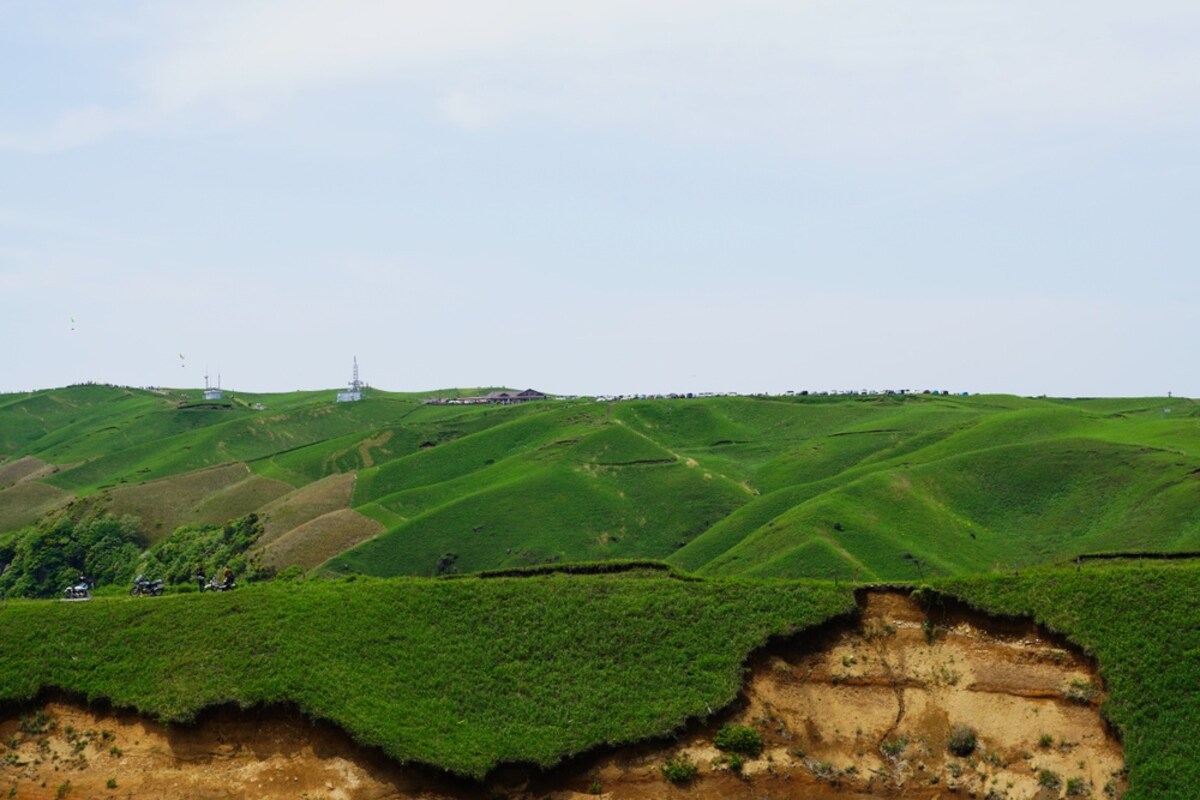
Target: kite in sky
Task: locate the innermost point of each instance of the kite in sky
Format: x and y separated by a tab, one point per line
182	362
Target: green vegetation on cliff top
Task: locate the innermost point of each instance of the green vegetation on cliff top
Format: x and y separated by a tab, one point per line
464	674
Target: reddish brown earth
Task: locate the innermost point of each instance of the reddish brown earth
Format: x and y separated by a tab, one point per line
859	710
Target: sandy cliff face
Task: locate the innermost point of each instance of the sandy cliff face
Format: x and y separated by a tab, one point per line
861	710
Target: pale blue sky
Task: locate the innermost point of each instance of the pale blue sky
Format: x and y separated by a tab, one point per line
602	197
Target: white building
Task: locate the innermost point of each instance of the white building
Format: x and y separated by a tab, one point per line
212	392
354	393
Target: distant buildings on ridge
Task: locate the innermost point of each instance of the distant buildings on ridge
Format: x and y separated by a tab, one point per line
498	398
212	392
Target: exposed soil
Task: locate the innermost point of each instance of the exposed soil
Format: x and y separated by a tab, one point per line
859	710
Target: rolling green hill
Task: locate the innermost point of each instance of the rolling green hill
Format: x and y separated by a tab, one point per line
748	499
878	487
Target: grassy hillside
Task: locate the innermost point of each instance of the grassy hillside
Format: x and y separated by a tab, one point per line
462	674
880	487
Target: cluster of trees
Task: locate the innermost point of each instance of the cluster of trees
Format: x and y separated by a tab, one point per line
208	549
41	560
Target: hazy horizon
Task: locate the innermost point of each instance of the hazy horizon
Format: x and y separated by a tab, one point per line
602	197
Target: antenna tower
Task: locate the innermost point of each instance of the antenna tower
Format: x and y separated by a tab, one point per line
356	384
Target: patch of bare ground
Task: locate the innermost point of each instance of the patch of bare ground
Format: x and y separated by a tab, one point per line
320	539
210	496
231	754
329	494
856	710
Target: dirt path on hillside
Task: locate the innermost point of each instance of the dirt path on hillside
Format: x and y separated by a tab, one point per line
855	711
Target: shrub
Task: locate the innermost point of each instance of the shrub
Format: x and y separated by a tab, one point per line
210	548
735	762
962	740
679	769
1076	787
36	723
292	573
50	555
1049	779
1083	692
739	739
822	770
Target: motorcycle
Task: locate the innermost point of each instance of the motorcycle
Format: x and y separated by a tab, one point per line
78	591
215	586
143	586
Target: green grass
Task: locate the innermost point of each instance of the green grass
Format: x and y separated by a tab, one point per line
1143	625
461	674
468	673
535	513
921	486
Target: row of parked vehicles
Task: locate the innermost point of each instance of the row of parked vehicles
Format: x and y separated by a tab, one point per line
144	587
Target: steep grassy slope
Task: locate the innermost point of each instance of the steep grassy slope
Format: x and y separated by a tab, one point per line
879	487
33	421
462	674
566	485
960	494
1023	503
209	496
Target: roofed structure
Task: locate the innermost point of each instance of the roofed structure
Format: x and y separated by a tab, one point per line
354	393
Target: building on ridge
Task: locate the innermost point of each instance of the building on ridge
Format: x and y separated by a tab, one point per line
355	392
497	398
212	392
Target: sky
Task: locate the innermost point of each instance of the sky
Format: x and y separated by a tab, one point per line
602	197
